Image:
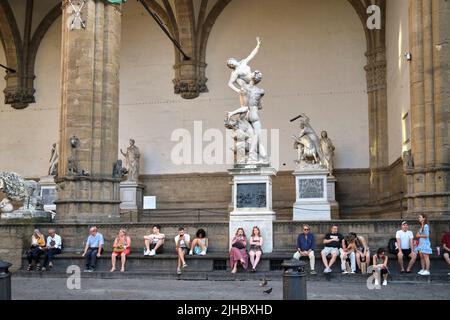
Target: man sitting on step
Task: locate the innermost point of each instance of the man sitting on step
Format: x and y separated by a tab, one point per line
332	243
305	246
93	249
154	243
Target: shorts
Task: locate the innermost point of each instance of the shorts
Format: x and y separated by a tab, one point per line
160	250
406	252
127	252
330	250
185	250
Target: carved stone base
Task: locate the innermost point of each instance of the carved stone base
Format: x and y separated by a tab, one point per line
49	192
88	199
37	215
311	195
131	197
252	202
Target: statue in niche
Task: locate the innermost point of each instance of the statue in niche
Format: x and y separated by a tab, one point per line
408	162
54	157
244	82
132	157
328	151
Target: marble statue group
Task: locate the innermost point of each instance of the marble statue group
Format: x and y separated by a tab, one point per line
245	120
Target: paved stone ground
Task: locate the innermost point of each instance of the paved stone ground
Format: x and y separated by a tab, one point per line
138	289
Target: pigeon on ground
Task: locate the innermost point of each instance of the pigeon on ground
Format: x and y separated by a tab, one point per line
268	291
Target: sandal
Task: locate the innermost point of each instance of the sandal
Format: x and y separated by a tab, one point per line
38	268
30	267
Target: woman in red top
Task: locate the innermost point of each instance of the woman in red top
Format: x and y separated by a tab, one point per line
121	247
238	252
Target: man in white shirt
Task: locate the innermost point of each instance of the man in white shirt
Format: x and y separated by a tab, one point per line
154	242
53	247
405	247
182	244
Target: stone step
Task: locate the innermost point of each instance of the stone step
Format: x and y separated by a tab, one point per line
184	216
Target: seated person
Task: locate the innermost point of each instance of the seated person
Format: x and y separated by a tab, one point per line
36	250
199	245
121	246
446	248
53	247
305	247
380	261
348	250
238	251
405	243
154	243
93	249
182	242
362	252
332	242
255	252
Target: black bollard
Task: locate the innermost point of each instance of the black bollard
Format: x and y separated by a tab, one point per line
5	281
294	280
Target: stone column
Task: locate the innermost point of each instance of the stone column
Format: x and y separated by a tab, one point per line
428	190
89	111
378	131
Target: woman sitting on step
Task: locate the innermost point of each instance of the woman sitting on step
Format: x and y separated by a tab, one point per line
238	252
36	250
121	247
255	252
199	245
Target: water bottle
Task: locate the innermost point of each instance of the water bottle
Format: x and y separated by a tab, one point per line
438	251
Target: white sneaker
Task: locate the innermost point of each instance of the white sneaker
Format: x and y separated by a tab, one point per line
377	283
421	271
146	252
425	273
327	270
178	271
191	253
384	282
152	252
345	272
353	272
203	253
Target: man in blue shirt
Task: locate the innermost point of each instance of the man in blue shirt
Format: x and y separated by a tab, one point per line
305	246
93	249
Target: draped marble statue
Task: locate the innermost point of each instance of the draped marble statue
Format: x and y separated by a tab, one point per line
328	151
54	157
247	127
132	157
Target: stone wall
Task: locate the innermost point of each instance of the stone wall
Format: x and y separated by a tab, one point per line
16	237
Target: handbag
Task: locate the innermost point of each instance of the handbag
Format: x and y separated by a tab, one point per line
238	245
119	249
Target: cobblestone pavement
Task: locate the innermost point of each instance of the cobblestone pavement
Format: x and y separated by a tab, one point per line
138	289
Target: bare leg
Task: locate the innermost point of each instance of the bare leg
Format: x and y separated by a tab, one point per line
158	244
422	260
447	258
427	261
257	258
123	259
413	257
181	255
358	260
252	258
400	261
147	243
324	259
113	263
333	259
234	269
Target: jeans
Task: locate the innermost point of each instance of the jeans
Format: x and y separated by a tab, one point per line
34	254
90	259
50	254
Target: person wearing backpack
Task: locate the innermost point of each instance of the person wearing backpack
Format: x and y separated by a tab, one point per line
406	247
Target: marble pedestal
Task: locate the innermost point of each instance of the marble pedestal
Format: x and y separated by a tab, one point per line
331	194
49	193
132	199
25	214
311	195
252	202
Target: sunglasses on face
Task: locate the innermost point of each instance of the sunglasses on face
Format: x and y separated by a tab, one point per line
305	229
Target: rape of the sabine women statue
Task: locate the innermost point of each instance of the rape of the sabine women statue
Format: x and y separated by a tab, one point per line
313	152
132	157
245	121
